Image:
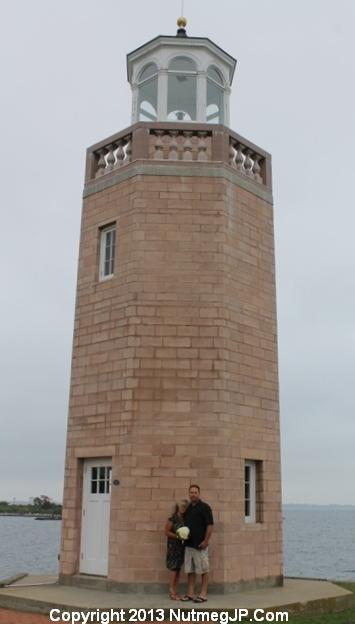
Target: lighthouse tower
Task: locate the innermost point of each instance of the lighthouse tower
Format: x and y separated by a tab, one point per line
174	371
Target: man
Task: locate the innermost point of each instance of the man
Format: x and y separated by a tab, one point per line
199	519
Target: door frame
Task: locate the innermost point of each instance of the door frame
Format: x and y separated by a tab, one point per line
87	464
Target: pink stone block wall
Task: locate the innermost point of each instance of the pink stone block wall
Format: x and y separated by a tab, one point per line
175	372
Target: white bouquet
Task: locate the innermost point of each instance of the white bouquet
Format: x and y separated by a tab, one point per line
183	533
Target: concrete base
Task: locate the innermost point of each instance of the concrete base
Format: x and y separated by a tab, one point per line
12	579
296	596
104	584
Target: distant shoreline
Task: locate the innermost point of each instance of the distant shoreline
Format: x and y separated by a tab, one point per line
31	515
319	505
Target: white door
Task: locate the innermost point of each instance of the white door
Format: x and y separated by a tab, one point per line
95	520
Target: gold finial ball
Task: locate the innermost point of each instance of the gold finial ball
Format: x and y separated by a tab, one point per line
182	22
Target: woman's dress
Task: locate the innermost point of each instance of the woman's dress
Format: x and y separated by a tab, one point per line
175	548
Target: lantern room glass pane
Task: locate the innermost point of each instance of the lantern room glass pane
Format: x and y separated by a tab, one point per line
182	63
148	71
148	100
182	97
182	90
215	103
215	75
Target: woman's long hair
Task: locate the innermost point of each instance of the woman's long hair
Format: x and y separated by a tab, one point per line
177	505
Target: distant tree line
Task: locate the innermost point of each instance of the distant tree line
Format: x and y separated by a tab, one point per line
39	505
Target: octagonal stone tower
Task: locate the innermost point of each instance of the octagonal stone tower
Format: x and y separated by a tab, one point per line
174	371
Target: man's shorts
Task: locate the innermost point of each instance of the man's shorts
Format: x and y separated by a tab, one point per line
196	561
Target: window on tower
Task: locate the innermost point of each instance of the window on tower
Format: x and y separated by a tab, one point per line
215	97
107	251
148	93
253	491
182	90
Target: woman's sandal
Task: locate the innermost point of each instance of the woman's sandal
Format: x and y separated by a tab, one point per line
187	598
200	599
174	596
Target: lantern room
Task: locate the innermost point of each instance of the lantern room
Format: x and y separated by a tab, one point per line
180	78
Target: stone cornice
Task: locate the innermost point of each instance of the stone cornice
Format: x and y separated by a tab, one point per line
180	169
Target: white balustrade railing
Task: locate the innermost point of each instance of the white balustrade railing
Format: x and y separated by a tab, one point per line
113	156
187	145
165	142
245	160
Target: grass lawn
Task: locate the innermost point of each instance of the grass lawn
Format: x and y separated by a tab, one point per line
346	617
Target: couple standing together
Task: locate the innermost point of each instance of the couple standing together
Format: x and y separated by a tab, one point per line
193	553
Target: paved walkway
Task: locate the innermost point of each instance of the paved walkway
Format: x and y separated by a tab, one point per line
41	594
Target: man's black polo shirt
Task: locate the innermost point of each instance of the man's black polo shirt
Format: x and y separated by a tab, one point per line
197	518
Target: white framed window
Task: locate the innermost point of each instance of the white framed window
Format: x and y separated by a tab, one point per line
107	252
215	96
100	481
182	89
148	93
250	491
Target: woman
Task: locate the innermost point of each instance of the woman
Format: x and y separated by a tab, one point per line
175	546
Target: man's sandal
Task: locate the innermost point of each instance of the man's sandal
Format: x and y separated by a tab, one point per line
187	598
200	599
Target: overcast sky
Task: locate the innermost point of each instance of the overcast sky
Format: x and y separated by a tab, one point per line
63	87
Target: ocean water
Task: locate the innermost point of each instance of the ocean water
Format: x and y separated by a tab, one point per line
319	542
28	545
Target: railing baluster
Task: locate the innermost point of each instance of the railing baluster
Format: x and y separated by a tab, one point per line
239	158
110	159
119	154
248	163
128	156
101	164
232	153
173	145
159	145
202	147
257	168
187	153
